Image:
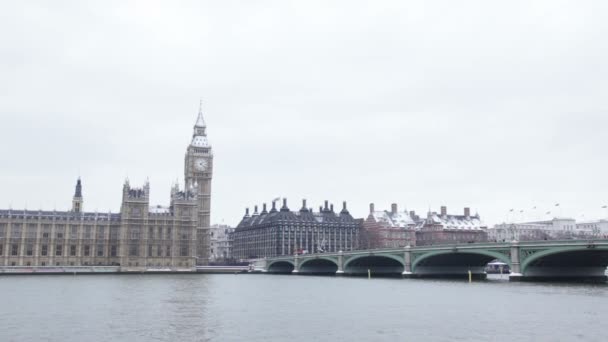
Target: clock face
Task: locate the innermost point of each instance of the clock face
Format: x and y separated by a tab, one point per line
200	164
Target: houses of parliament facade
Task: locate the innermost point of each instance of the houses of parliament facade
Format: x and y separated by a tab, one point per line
139	237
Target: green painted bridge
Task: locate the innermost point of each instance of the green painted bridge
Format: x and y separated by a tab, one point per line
534	260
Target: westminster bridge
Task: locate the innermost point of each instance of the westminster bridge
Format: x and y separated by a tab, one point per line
532	260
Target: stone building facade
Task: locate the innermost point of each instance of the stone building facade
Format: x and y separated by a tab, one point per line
221	243
444	228
138	237
284	232
557	228
388	228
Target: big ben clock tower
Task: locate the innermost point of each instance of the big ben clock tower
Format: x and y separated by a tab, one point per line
198	172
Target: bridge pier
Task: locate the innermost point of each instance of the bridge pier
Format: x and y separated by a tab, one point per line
340	271
515	263
296	265
407	267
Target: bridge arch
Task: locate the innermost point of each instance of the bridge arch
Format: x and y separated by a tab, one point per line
588	261
319	265
280	266
456	262
377	264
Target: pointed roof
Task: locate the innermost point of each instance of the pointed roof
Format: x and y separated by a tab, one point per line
78	192
200	122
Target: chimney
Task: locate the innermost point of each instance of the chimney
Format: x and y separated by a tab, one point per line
467	212
255	210
264	211
246	212
284	207
412	214
303	206
344	209
331	208
274	207
444	211
394	208
326	205
371	208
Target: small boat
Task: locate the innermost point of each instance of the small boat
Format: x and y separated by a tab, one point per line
497	267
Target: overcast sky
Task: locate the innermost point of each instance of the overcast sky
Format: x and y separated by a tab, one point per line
488	104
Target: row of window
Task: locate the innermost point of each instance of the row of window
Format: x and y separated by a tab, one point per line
43	263
59	232
134	250
59	250
134	234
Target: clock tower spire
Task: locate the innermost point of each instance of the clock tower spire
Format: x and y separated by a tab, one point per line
198	171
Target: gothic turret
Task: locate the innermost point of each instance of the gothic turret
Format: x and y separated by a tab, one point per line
77	199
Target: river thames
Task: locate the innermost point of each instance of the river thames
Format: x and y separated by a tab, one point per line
295	308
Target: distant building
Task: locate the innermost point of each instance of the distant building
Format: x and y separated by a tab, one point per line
442	228
388	229
596	228
554	229
285	232
221	243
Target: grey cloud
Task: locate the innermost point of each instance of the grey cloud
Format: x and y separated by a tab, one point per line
485	104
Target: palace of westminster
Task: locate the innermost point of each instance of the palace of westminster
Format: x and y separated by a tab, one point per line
138	237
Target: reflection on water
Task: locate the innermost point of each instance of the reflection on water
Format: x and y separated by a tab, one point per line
291	308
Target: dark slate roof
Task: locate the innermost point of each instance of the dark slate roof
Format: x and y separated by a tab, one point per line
284	215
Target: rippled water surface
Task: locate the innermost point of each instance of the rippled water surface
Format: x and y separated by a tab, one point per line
292	308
